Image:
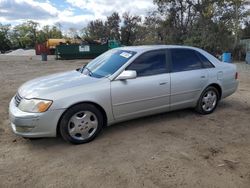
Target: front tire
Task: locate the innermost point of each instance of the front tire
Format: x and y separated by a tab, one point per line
81	123
208	101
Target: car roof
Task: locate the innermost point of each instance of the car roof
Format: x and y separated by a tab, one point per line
145	48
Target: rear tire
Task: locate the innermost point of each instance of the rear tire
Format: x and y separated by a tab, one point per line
81	123
208	101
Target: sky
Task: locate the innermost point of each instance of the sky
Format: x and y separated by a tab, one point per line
69	13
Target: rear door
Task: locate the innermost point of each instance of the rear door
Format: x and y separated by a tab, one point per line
148	93
188	78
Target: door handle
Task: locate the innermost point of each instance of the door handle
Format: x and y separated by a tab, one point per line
163	83
203	76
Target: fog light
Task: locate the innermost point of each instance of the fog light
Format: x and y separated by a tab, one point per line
23	129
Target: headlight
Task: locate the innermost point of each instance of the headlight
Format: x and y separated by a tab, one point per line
34	105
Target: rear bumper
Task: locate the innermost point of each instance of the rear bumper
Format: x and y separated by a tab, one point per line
33	124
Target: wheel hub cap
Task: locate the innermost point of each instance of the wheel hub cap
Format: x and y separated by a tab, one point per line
82	125
209	101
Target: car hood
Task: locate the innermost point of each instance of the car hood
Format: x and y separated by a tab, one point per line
46	85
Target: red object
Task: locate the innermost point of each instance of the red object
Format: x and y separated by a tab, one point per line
41	48
236	76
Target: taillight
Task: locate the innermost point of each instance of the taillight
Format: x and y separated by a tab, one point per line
236	76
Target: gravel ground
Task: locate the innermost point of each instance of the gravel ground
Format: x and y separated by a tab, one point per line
176	149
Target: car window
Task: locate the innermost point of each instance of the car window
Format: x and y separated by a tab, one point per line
185	60
108	63
206	63
150	63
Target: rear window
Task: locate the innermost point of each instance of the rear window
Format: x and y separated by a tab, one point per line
185	60
206	63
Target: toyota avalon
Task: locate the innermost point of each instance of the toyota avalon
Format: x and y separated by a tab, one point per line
121	84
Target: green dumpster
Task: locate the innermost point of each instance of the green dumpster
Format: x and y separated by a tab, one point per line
84	51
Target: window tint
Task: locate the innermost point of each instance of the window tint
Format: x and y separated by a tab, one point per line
206	63
184	60
150	63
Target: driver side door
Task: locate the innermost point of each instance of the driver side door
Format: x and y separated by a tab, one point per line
148	93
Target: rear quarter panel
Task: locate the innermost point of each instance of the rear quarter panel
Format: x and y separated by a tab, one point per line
229	83
224	75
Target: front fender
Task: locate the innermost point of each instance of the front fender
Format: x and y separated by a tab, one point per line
98	94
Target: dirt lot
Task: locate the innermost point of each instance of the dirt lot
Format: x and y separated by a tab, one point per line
177	149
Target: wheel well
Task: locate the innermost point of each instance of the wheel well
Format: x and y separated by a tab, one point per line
105	119
217	86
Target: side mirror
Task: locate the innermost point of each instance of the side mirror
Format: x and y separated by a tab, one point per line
127	74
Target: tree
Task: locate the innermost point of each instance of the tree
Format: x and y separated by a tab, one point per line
96	30
246	30
25	35
55	32
4	38
233	13
48	32
112	26
130	28
21	36
208	30
178	15
32	29
152	31
210	24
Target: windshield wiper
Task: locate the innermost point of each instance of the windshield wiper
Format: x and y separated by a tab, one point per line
90	72
81	69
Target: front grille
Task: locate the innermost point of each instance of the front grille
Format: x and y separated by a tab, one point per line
18	99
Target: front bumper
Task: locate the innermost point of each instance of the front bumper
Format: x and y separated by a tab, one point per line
33	124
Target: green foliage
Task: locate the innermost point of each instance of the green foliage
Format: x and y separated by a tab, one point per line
214	25
112	26
25	34
96	30
130	29
48	32
4	38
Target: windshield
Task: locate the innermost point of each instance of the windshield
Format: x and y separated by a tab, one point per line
107	63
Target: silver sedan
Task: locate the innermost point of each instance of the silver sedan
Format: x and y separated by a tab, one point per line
121	84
